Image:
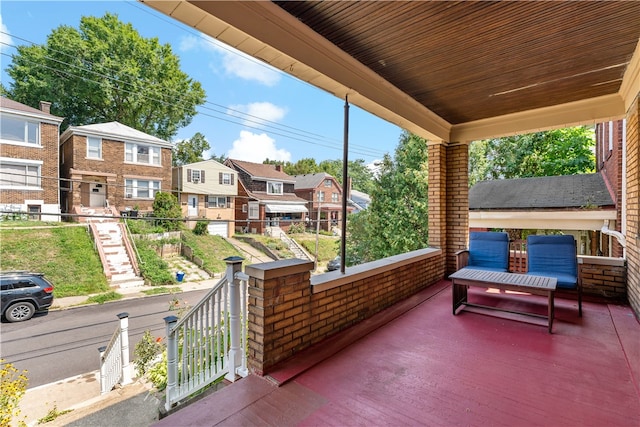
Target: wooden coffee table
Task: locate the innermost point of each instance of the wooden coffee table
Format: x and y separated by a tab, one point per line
536	285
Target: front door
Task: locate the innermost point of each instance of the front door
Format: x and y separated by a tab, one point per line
193	206
97	194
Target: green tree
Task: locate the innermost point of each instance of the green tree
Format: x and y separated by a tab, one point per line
167	211
105	71
397	218
556	152
302	167
190	150
360	174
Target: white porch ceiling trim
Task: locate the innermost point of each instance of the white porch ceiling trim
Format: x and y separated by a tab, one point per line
542	220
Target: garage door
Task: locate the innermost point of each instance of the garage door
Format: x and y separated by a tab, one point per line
218	228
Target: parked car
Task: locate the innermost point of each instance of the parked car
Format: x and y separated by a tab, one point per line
24	293
334	264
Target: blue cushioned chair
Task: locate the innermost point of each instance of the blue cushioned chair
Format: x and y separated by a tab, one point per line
555	256
488	250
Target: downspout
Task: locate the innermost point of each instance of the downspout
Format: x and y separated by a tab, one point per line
619	236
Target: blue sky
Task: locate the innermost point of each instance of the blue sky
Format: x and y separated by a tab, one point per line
303	121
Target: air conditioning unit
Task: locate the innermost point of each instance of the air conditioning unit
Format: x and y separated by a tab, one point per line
196	180
129	195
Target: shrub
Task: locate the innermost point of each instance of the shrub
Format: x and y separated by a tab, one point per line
13	385
146	351
201	228
296	228
167	211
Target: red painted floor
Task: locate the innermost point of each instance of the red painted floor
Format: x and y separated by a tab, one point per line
417	364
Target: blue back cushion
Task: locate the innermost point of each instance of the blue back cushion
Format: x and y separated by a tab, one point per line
553	256
489	250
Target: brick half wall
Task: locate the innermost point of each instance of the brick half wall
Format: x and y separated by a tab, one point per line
289	311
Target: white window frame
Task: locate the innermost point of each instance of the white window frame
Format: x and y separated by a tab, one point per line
220	202
275	187
245	208
226	178
136	186
327	183
321	196
195	176
132	154
94	145
335	197
254	210
30	132
31	181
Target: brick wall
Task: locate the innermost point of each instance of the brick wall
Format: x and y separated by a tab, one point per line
633	206
603	277
437	195
288	314
48	153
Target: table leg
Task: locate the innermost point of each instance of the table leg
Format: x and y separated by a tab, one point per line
459	293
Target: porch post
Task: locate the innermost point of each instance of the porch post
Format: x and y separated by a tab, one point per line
632	233
448	198
124	348
235	356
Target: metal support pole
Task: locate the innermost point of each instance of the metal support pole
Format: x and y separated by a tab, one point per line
125	375
172	354
236	352
345	182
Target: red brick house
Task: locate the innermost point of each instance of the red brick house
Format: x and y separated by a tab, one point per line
110	164
29	140
266	198
324	195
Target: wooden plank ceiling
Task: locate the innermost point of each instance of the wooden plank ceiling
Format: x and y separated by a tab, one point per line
468	61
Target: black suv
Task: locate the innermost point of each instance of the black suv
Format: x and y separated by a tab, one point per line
23	293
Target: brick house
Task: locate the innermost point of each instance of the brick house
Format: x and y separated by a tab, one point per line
266	198
29	140
110	164
324	195
207	190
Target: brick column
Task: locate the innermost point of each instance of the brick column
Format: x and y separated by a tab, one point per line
457	201
633	206
448	198
279	310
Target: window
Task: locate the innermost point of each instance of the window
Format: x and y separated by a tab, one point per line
145	154
94	147
226	178
327	183
321	196
254	210
15	174
141	189
217	202
34	212
195	176
19	130
274	187
244	208
335	198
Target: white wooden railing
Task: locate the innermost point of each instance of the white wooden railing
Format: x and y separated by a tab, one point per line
209	342
114	357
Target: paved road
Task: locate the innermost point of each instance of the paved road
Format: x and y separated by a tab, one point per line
65	343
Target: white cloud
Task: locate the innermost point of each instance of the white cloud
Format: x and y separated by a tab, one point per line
5	39
257	113
233	61
252	147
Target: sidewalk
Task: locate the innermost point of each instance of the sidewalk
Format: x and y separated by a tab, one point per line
131	405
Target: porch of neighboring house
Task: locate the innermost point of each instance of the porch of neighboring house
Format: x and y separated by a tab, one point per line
417	364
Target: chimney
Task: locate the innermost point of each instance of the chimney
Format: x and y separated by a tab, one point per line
45	107
279	168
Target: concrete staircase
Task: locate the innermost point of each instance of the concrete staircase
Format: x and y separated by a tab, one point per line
298	251
118	264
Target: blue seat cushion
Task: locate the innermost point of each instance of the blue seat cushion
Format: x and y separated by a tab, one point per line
489	251
553	256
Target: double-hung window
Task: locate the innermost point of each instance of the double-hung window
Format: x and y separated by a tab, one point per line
217	202
141	188
20	130
274	187
321	196
94	147
142	154
327	183
254	210
20	173
335	198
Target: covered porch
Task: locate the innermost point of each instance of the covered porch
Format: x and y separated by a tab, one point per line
417	364
453	73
